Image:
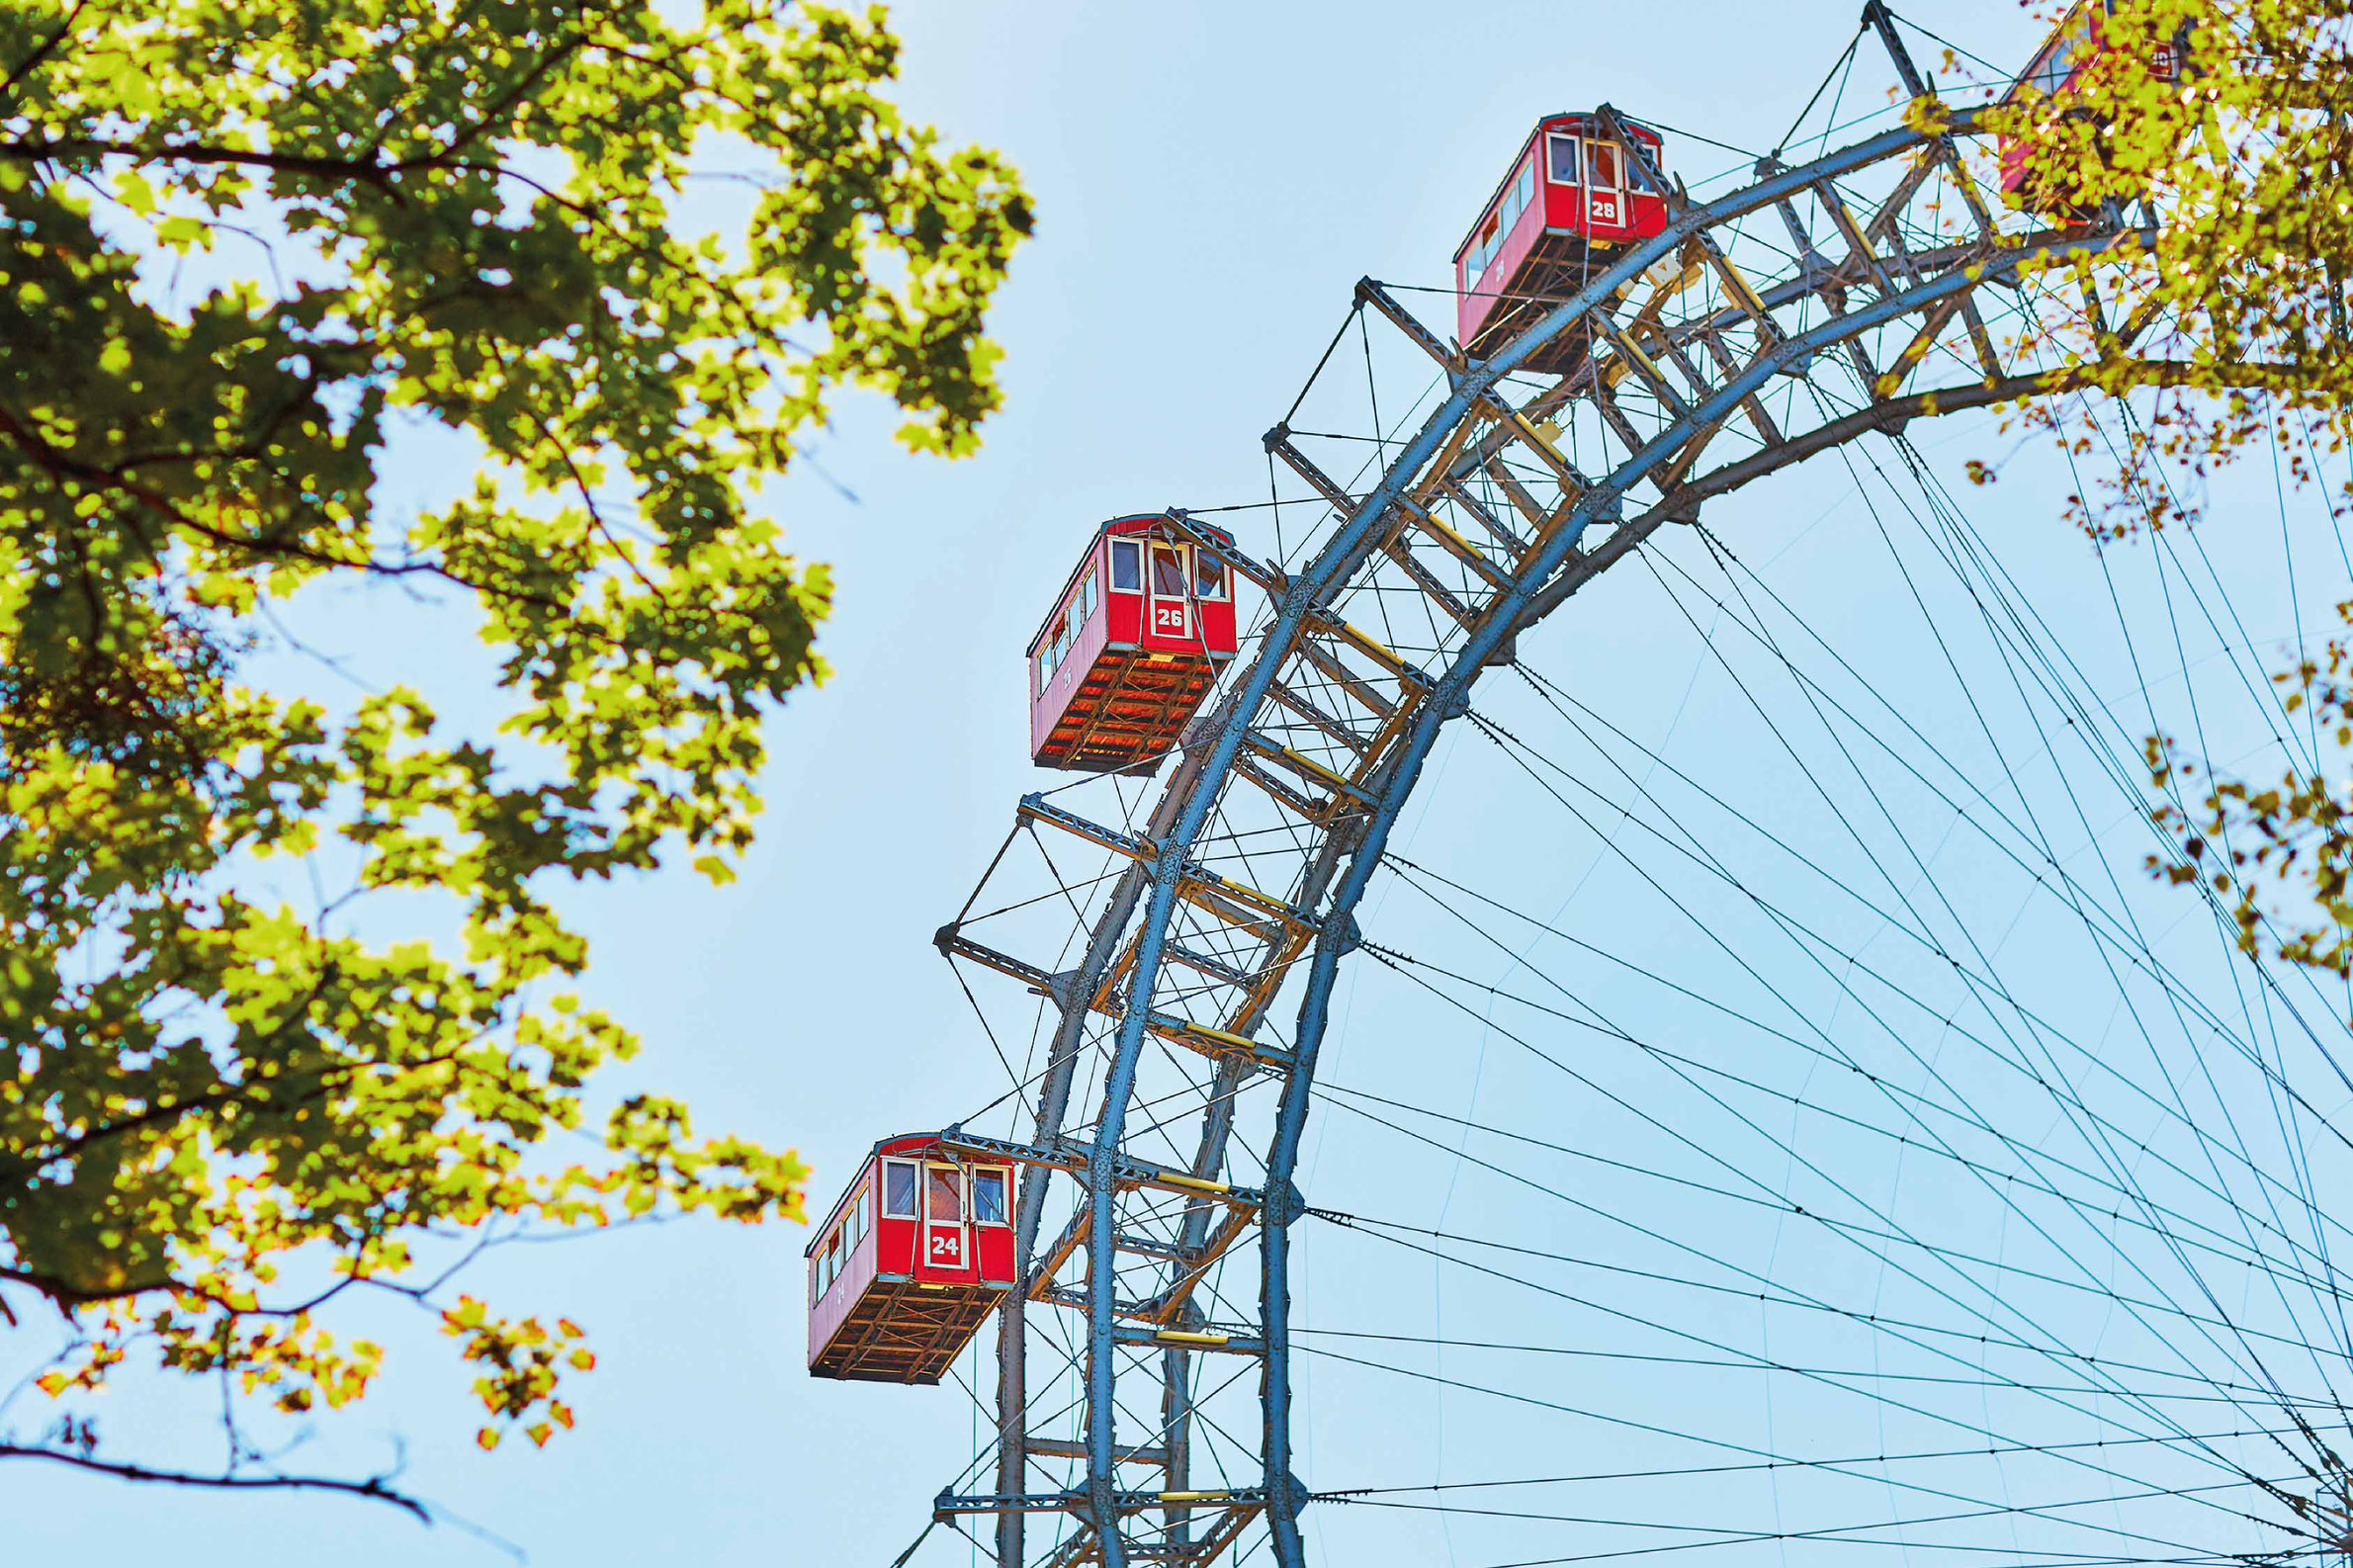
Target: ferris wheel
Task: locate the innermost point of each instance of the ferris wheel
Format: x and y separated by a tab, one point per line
1858	1078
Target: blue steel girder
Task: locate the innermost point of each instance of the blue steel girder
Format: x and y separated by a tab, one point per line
1470	427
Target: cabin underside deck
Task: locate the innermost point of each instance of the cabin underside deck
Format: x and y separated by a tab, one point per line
902	1332
1557	266
1131	708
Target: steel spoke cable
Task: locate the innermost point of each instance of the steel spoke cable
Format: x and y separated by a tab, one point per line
2099	1144
1874	1320
1681	1472
1554	697
2232	968
2047	653
1974	1121
2144	960
2114	1390
1801	1298
1585	1352
2263	699
1786	1206
1994	1296
2270	1075
2056	1451
1841	1534
2235	1252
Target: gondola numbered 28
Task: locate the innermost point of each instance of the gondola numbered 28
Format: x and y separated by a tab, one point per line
1571	197
1132	646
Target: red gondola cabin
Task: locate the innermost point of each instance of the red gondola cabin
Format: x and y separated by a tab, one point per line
1134	642
915	1255
2075	46
1569	197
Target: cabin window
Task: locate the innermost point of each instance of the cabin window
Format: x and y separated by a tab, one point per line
2059	61
1127	567
988	1197
857	1219
1605	158
1050	655
1562	151
898	1189
1209	576
1168	571
1484	251
1526	190
943	1196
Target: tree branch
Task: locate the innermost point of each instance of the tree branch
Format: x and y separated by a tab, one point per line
48	45
61	148
511	97
373	1488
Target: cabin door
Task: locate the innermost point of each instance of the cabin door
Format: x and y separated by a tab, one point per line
1171	613
945	1240
1605	185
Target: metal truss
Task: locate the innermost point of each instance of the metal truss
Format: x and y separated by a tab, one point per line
1849	294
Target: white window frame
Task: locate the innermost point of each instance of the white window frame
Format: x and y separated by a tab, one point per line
1135	549
1554	139
1224	575
1185	568
1595	146
916	1211
972	1187
931	1167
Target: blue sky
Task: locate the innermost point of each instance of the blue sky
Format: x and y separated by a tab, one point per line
1211	180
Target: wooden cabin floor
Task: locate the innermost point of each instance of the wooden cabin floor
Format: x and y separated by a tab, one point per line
1130	708
905	1332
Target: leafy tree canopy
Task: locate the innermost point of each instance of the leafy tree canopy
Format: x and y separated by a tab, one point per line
221	1114
2222	127
2217	131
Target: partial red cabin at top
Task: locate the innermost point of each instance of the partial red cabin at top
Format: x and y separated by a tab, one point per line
913	1257
2074	50
1134	642
1570	197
